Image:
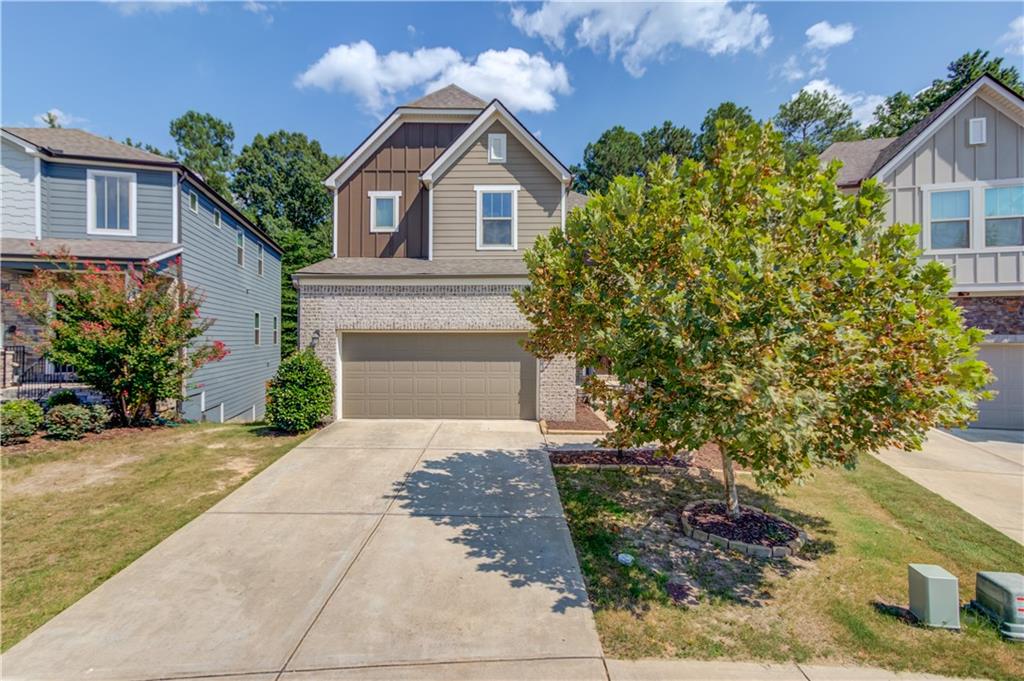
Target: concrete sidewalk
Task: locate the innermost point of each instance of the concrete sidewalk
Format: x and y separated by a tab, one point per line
981	471
698	670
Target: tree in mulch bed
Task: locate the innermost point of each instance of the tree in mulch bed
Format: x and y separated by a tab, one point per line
748	302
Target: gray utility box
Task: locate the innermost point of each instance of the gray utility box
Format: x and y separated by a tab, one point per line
1000	596
934	596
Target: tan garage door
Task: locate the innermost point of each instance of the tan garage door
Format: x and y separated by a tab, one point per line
1007	409
432	375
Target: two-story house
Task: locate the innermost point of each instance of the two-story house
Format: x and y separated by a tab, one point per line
959	173
64	190
414	314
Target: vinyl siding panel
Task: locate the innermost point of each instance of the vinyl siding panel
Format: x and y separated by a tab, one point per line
396	165
232	294
65	203
945	157
17	192
455	210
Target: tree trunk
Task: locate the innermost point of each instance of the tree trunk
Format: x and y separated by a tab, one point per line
732	499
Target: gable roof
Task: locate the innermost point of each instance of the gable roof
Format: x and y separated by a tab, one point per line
893	153
73	143
858	158
495	111
448	97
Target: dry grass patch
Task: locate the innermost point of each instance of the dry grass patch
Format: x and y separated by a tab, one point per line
76	513
826	605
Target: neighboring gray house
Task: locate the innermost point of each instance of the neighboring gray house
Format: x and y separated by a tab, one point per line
959	173
414	314
63	189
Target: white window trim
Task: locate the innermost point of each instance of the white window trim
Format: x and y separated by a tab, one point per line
976	229
504	147
192	195
480	189
275	335
396	198
218	219
259	259
90	202
257	328
240	263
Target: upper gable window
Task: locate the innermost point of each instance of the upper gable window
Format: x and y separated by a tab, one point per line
110	197
240	248
1004	216
496	217
496	148
193	202
950	219
384	210
216	218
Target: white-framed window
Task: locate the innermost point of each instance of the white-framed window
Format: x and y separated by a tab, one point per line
384	210
255	328
274	329
193	201
973	216
259	259
110	199
496	147
976	131
240	248
950	224
496	217
217	218
1004	216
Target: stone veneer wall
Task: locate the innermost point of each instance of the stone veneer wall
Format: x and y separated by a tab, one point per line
1002	315
325	309
28	332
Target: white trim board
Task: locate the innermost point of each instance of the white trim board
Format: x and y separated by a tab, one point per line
38	181
396	210
496	112
90	203
480	190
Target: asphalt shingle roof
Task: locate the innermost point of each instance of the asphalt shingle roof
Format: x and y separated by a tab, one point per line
86	249
72	142
858	158
448	97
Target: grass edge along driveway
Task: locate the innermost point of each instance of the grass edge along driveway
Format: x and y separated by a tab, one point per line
76	513
834	606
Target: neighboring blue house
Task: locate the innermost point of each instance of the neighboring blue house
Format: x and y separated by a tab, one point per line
101	200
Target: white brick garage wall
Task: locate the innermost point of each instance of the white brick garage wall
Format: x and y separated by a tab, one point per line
327	309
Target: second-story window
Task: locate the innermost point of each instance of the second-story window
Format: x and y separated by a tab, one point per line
216	218
950	219
111	202
240	248
496	217
256	328
193	202
259	259
274	329
384	210
1004	216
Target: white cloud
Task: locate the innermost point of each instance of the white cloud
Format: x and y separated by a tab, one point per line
825	36
863	104
640	32
1014	38
792	69
520	80
260	9
64	119
129	8
410	29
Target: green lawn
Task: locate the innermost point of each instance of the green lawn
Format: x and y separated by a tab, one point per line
837	603
75	513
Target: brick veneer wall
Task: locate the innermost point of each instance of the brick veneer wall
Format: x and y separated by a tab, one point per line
998	314
325	309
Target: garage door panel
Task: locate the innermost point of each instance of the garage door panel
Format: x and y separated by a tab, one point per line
394	375
1006	410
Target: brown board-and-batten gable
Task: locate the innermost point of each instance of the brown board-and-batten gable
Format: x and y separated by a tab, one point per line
394	166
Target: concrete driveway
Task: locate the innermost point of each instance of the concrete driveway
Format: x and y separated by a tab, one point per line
981	471
383	549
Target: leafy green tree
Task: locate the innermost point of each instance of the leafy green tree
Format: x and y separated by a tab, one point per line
707	140
278	180
811	121
899	112
205	144
125	331
145	146
51	120
668	139
749	303
616	152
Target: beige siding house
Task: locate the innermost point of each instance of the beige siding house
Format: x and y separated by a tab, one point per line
414	312
959	173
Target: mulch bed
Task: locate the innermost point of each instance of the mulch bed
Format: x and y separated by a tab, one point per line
751	527
586	420
706	457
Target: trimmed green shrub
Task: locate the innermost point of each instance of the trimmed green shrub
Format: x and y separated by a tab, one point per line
100	417
61	397
19	419
68	422
300	395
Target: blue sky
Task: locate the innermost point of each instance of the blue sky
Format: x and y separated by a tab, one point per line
332	70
